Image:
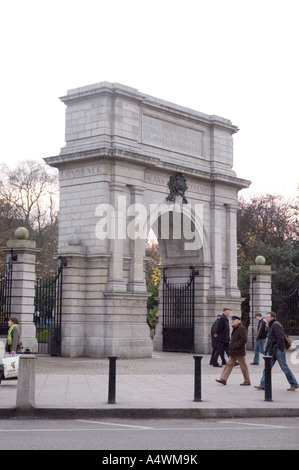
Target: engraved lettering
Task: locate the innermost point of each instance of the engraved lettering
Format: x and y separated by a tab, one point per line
160	133
79	172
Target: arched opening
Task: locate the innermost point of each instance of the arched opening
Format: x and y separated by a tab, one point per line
177	239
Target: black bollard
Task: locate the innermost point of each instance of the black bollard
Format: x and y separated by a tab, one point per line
197	378
268	380
112	380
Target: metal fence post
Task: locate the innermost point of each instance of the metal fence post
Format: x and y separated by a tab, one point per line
268	380
112	379
197	378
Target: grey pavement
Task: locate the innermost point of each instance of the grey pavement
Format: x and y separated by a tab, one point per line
159	386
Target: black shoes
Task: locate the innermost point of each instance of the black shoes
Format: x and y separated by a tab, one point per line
217	365
223	382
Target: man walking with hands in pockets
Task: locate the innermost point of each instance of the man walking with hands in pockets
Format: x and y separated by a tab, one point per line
237	352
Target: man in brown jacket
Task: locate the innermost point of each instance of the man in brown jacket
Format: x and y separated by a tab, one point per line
237	352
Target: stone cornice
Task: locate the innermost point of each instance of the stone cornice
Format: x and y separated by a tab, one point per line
146	101
140	158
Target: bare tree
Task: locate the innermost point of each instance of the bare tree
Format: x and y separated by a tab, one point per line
266	220
29	196
31	191
268	225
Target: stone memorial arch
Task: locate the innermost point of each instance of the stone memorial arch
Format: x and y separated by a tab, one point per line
132	163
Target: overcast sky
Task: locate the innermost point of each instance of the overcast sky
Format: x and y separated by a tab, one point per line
234	58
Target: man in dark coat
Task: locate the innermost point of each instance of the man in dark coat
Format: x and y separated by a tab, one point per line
215	344
237	352
275	347
221	335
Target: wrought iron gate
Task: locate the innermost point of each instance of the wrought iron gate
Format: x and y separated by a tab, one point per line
48	312
285	303
5	294
178	314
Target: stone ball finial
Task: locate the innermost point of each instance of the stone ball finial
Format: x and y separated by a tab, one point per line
74	239
260	260
21	233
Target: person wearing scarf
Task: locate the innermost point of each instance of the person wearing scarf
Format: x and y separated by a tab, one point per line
13	342
13	337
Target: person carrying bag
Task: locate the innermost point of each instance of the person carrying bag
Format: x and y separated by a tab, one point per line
13	347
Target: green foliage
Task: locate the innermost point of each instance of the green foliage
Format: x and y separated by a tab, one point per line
153	277
152	320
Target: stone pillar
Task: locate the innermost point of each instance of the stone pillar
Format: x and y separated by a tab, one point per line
232	289
73	300
260	294
23	285
116	275
136	279
216	288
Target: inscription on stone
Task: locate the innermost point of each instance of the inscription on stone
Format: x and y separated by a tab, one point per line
161	133
79	172
199	188
160	180
150	178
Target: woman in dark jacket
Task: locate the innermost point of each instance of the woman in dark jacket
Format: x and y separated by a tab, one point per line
237	352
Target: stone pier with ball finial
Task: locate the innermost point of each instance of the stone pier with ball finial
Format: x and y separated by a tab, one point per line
260	293
23	284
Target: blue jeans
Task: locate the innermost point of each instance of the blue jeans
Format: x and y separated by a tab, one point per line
281	359
258	348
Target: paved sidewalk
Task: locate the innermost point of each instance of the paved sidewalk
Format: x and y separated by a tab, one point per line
161	386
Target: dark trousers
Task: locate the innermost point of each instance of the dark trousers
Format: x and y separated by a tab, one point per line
220	349
1	372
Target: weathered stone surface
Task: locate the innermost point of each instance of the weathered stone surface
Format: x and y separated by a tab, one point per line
122	148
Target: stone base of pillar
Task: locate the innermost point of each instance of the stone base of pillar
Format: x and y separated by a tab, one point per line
120	329
127	334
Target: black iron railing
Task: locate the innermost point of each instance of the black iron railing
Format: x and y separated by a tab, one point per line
48	312
178	314
285	303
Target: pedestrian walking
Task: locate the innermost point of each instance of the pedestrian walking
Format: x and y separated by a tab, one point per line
275	347
222	336
237	352
214	344
261	335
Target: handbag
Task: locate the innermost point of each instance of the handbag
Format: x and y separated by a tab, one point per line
287	342
11	366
